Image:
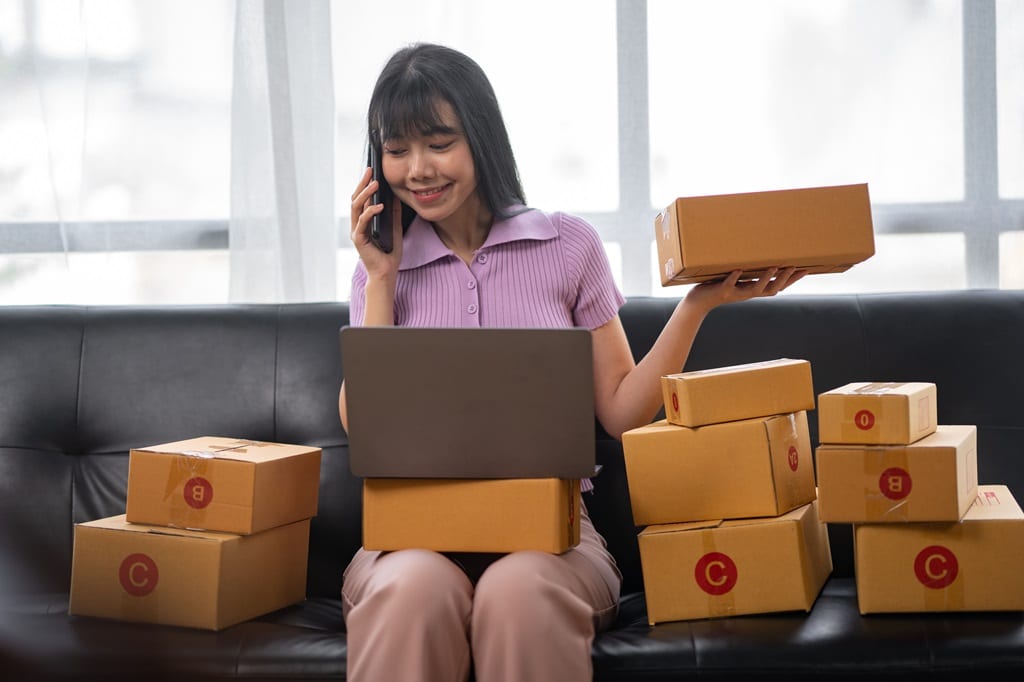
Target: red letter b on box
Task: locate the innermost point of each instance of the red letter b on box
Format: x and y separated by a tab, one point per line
198	492
895	483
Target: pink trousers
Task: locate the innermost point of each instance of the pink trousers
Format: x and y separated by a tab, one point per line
531	616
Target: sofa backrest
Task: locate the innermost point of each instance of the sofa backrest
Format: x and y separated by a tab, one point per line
81	386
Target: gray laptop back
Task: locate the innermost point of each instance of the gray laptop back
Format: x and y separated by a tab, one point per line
469	403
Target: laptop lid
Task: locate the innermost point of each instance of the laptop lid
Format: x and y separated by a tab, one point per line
469	402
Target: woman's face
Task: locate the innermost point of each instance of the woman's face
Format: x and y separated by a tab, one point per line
434	173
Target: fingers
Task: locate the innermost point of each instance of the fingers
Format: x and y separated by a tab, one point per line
363	182
733	278
796	277
771	282
361	209
766	283
779	280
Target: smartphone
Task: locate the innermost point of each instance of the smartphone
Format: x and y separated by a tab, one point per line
381	233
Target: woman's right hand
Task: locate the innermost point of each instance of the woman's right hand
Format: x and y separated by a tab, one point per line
377	262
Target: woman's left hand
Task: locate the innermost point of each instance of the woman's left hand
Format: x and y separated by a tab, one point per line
710	295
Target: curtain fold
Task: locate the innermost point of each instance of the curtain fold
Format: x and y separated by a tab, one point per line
283	232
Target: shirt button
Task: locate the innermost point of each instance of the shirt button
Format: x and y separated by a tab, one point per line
482	258
471	284
471	308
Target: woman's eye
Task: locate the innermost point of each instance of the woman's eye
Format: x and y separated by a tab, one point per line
394	151
441	146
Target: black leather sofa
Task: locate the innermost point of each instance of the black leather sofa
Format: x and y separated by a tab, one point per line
80	386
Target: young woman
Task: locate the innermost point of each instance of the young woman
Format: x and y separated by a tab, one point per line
468	252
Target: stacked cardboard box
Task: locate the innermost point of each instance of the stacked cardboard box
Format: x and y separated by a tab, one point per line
215	532
927	537
725	487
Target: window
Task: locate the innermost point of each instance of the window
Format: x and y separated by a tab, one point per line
115	130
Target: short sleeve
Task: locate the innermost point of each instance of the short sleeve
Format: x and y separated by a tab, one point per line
598	298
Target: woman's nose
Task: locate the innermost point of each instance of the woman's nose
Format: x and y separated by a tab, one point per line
420	165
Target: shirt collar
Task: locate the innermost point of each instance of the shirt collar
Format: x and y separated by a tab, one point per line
421	245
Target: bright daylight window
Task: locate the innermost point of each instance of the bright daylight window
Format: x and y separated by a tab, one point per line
116	128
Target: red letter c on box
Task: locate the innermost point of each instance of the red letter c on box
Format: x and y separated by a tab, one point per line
715	573
936	567
138	575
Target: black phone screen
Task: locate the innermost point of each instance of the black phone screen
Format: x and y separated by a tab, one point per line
380	228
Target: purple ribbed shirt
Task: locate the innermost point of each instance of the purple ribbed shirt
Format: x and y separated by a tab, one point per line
535	269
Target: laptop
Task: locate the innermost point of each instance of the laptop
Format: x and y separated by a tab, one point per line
469	402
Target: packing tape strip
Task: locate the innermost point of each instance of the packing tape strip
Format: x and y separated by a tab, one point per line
724	603
935	565
863	416
133	576
670	399
189	468
887	469
243	444
792	482
878	388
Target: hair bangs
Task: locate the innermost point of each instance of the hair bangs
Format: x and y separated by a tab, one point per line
411	110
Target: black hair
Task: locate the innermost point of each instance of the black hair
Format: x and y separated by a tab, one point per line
405	100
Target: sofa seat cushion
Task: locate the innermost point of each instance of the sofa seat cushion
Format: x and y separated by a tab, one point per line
42	642
307	642
832	641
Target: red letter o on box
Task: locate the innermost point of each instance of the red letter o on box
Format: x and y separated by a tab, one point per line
864	420
138	575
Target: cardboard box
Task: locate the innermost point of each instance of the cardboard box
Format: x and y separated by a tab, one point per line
728	568
877	413
725	394
819	229
171	576
933	479
745	468
223	484
971	565
471	515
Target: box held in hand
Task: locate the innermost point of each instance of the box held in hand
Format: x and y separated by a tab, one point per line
818	229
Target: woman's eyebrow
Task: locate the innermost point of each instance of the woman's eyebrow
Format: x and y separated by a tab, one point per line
439	130
426	131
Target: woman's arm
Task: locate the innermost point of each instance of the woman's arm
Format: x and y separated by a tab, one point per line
628	394
381	268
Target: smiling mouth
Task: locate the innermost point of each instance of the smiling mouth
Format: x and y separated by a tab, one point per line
430	193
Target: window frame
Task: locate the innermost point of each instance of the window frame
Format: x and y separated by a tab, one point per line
981	216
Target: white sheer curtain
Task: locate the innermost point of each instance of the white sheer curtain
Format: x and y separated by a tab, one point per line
283	234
